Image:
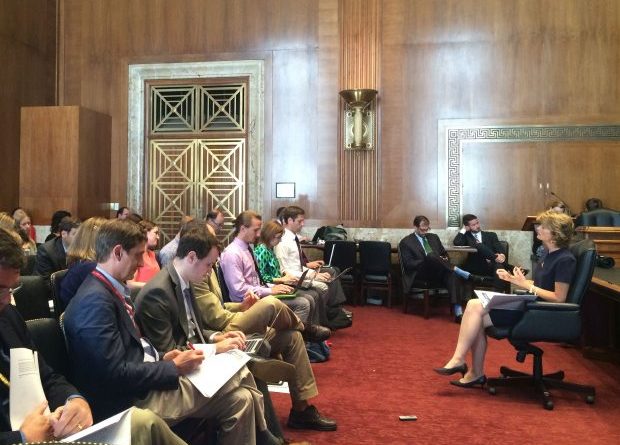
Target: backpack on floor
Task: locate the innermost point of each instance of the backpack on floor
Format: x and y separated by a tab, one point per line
317	352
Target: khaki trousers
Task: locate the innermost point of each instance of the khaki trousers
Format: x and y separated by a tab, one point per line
147	428
262	314
286	340
237	407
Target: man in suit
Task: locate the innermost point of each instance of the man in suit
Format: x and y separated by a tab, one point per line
161	317
116	367
52	255
490	254
424	258
71	411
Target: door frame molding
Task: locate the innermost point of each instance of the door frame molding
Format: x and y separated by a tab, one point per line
139	73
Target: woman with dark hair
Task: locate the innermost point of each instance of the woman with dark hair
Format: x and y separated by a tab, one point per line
150	266
56	218
552	278
269	269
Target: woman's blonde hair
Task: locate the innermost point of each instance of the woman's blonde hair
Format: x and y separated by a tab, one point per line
559	224
83	246
8	223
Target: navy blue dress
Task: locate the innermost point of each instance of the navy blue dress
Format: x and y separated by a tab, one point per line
558	266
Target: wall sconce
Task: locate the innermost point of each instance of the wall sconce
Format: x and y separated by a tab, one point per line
359	119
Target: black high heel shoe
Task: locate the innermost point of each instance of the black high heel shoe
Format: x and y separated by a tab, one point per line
479	381
449	371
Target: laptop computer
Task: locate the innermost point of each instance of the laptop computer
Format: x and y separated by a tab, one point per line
297	286
253	345
331	280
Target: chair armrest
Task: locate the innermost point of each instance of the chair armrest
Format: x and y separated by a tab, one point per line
547	306
544	321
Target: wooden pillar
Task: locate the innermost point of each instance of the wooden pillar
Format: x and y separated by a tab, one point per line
360	38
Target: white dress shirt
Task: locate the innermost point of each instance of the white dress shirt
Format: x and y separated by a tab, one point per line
288	255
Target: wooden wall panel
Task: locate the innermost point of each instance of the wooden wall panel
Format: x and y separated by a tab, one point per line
49	141
27	51
65	161
103	37
443	59
454	59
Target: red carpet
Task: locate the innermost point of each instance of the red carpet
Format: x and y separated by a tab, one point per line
366	390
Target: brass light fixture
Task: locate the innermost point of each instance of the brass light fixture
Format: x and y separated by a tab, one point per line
359	119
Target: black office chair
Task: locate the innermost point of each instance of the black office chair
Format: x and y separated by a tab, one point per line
219	273
419	287
343	254
28	268
32	299
375	268
55	283
50	342
549	322
599	218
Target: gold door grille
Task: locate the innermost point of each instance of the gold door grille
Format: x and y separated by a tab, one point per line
189	174
196	154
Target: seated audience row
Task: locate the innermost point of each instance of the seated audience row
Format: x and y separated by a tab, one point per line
71	412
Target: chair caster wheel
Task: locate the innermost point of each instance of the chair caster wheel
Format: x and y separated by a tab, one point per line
590	400
492	390
548	405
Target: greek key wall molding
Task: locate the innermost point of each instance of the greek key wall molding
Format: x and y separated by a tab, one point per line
454	132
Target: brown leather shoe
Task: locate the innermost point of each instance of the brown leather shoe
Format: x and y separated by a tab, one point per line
316	333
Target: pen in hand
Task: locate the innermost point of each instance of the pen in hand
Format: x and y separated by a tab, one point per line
190	346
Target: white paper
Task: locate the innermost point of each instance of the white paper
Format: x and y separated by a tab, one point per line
115	430
279	387
493	300
216	369
26	390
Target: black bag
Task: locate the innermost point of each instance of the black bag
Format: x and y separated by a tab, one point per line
337	318
330	233
605	262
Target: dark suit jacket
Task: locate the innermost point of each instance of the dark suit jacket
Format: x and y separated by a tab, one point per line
161	314
14	334
51	257
107	357
476	262
413	256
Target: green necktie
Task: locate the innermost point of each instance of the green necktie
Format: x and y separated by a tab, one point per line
427	246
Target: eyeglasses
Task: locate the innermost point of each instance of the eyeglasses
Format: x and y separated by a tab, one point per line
10	290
